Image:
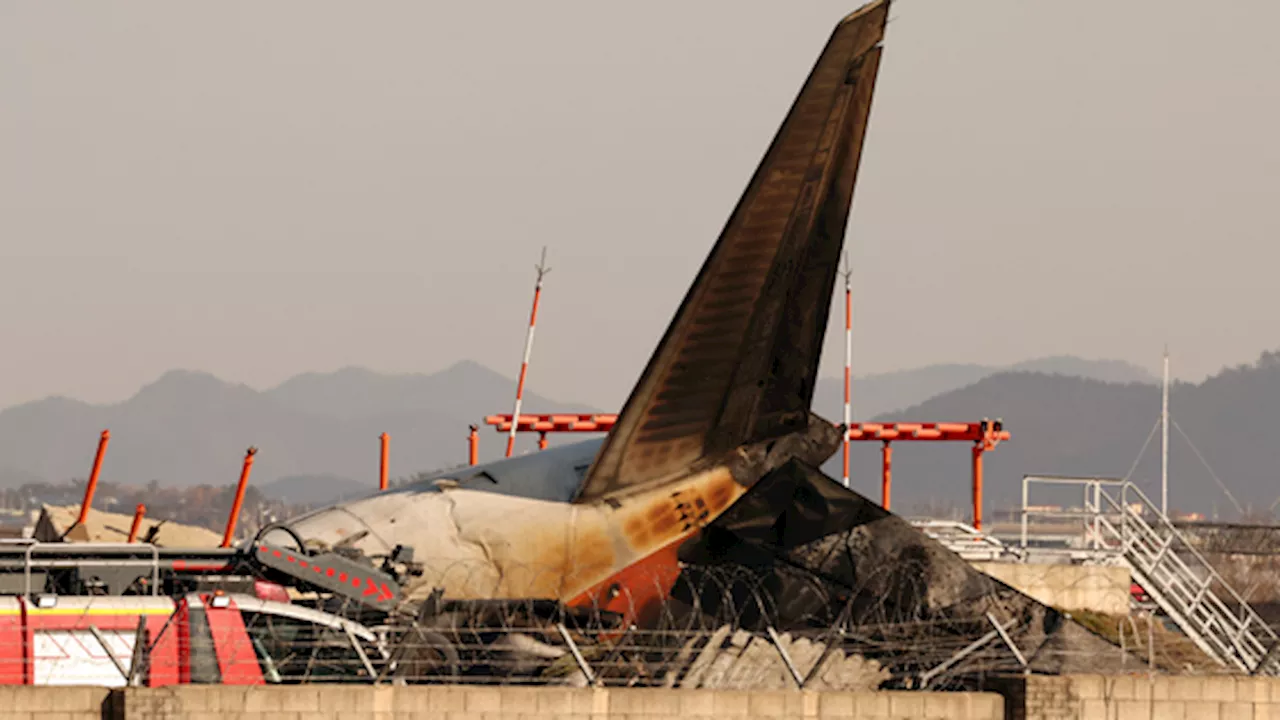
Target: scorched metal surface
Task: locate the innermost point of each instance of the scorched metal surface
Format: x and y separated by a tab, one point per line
723	401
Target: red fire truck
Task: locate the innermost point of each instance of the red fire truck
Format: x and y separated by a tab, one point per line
117	614
229	638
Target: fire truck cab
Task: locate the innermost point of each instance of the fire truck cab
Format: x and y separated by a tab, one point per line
215	637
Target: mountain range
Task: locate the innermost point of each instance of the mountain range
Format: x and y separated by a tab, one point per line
1224	433
318	432
190	428
874	395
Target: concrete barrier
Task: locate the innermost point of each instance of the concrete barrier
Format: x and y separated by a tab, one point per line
1100	697
24	702
463	702
1099	588
1072	697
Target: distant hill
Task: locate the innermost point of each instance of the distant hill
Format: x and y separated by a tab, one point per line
465	389
1077	426
318	432
189	428
881	393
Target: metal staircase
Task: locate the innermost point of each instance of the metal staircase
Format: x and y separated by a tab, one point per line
1122	522
965	540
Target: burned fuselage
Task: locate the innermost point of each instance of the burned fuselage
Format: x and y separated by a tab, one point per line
508	529
723	401
706	496
480	543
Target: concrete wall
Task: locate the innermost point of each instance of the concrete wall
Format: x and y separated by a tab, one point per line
52	703
1098	697
494	703
1073	697
1103	589
1076	697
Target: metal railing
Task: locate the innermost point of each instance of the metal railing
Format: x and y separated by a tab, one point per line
965	540
1121	524
118	555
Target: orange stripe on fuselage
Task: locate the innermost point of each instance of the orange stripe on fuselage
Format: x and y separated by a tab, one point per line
637	591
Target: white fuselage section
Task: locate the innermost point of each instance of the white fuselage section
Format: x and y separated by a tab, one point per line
479	544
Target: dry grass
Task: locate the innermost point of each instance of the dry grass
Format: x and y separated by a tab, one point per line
1174	652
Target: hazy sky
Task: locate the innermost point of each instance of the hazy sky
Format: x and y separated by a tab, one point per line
260	189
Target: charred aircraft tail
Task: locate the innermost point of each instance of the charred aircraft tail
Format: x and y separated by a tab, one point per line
738	362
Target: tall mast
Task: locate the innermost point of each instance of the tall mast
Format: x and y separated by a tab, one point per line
528	348
1164	438
848	362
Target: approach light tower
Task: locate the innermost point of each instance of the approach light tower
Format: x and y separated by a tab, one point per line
848	361
542	269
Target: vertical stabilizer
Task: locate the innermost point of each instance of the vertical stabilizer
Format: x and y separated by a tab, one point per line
739	360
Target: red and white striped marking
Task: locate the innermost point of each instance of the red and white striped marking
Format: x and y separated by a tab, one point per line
848	363
528	348
560	422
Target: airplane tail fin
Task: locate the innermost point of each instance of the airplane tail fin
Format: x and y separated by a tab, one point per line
739	360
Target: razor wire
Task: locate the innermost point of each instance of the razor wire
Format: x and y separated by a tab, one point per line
725	626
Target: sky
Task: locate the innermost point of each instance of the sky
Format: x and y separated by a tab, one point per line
262	189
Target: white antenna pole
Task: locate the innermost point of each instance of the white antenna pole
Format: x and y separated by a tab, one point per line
528	348
848	362
1164	439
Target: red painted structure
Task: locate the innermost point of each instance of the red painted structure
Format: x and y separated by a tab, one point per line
92	486
559	422
386	452
164	625
196	638
138	514
234	516
237	662
984	435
